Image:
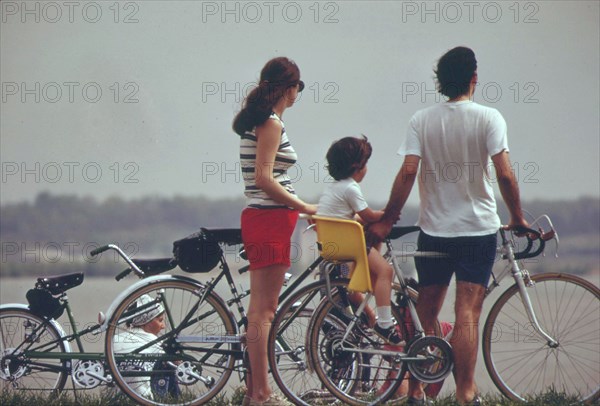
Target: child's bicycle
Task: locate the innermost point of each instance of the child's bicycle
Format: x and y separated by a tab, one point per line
346	359
542	334
36	352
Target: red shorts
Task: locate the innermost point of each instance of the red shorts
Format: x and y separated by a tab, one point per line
267	234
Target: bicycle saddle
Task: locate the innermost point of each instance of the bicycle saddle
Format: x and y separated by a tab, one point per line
155	266
398	232
60	284
229	236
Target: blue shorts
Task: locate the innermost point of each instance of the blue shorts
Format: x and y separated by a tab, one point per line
471	258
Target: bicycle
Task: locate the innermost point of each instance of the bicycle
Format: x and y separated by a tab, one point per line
336	333
359	375
552	324
36	351
203	343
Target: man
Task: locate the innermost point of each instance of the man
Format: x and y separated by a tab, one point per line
453	143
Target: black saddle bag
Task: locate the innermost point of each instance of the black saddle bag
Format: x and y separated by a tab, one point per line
43	304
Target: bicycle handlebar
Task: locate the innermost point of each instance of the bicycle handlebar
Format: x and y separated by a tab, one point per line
532	236
123	274
100	250
132	266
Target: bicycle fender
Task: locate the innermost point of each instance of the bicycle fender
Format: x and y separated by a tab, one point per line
54	323
143	282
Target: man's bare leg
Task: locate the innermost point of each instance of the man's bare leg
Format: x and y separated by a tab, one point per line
431	299
465	338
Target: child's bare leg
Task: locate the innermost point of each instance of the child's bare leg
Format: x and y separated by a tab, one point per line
356	298
382	286
382	271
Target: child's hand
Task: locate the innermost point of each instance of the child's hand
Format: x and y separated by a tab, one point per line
369	216
378	214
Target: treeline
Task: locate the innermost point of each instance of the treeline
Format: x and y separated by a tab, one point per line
58	231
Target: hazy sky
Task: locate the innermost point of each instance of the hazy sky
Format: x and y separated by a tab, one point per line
137	98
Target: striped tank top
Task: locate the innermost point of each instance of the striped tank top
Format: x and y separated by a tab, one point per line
284	159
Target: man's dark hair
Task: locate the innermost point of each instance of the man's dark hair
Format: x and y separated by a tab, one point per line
347	156
454	71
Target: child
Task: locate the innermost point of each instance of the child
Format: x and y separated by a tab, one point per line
347	164
143	329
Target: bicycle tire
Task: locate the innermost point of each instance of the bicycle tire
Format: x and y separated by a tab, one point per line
21	370
198	368
370	384
358	380
521	364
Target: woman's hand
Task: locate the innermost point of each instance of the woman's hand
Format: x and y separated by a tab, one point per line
308	208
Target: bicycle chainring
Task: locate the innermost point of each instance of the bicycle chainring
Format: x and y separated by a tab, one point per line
435	359
89	374
188	373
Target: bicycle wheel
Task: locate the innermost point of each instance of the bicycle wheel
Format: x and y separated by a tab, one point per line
522	364
186	363
288	359
25	341
347	362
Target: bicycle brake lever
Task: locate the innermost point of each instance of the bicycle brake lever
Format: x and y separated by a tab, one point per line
310	227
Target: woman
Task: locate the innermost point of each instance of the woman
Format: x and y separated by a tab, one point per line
272	209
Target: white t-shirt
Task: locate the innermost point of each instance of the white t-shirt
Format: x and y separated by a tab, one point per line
455	141
129	341
342	199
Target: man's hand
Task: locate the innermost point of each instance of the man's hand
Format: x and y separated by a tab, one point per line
515	225
377	232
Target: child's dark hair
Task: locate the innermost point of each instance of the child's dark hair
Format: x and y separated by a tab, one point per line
348	155
454	71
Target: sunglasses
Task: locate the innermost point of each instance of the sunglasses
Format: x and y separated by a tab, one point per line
300	85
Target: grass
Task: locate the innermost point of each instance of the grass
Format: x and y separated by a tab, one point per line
67	399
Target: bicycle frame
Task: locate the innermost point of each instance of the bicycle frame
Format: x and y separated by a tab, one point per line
204	289
29	349
506	251
521	277
392	256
